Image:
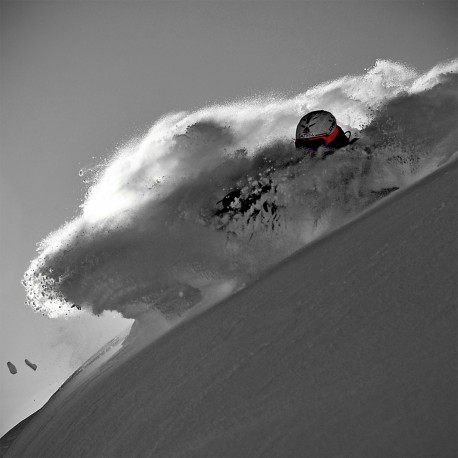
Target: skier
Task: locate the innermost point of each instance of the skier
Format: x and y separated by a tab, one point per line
316	129
319	129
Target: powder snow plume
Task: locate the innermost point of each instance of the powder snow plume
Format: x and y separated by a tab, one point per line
147	237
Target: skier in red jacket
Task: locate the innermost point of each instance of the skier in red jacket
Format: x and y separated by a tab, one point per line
316	129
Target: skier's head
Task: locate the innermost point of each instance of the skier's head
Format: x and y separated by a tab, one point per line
315	129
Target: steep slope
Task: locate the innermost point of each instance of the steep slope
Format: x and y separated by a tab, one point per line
348	348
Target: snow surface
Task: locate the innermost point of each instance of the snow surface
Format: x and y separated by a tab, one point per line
347	348
343	348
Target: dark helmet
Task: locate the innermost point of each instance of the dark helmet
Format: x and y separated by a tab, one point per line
319	128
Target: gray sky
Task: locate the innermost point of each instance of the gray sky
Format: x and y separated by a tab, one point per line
79	78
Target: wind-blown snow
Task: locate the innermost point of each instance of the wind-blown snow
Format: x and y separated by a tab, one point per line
145	238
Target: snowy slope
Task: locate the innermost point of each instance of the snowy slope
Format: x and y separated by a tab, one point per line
347	348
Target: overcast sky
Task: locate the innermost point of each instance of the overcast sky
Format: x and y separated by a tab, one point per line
79	78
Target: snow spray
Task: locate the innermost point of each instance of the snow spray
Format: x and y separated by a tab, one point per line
146	239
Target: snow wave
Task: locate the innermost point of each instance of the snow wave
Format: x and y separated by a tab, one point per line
147	238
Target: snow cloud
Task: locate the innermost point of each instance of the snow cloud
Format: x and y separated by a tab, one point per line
145	237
